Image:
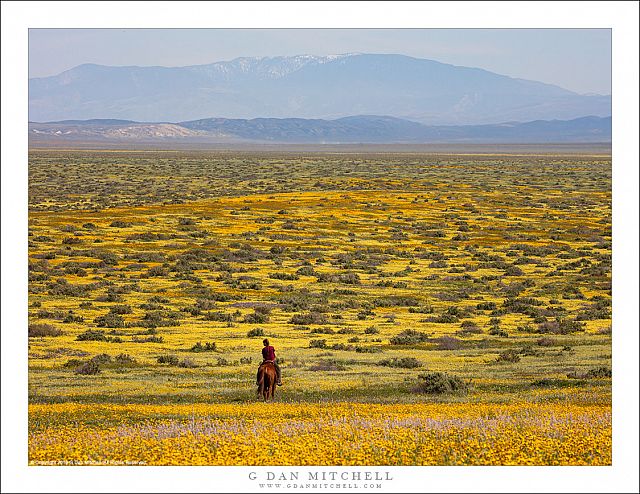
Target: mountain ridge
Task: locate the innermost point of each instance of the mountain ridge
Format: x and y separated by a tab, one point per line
352	129
305	86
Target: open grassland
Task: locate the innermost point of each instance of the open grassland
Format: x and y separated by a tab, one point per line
413	300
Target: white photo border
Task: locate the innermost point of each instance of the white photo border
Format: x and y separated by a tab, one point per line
18	17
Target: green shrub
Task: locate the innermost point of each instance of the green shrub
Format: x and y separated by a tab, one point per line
73	362
496	331
306	271
318	344
92	335
207	347
440	383
110	320
121	309
310	318
255	332
486	306
284	276
368	349
148	339
323	330
346	331
120	224
258	317
513	271
409	337
401	362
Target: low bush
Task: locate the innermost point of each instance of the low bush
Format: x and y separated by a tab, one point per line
323	330
560	326
343	346
110	320
40	330
346	331
310	318
599	372
168	359
92	335
207	347
545	341
102	358
328	365
468	328
120	224
318	344
447	343
121	309
89	368
187	363
409	337
368	349
496	331
401	362
509	356
440	383
124	358
73	362
148	339
219	316
255	332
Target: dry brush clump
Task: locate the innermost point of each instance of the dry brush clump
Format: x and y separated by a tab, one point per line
41	329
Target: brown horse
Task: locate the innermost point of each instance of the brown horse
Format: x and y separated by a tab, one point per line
266	380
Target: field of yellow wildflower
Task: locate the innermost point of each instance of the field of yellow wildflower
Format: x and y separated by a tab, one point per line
320	434
425	309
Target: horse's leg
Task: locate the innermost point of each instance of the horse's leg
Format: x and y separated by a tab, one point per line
272	387
261	385
265	387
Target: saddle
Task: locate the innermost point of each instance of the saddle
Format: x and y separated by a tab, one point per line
267	362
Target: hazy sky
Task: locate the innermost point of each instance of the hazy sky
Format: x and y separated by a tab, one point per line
576	59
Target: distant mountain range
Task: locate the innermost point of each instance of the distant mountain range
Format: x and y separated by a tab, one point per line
308	87
355	129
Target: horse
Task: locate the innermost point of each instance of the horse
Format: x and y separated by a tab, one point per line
267	380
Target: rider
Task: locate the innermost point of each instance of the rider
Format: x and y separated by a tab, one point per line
269	354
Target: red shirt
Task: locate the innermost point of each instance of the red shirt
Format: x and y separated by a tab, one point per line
268	353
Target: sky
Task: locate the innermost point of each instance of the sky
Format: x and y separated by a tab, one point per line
575	59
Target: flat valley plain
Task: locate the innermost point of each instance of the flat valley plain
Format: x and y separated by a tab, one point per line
427	309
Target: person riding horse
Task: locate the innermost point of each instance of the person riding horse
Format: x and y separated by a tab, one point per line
269	355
